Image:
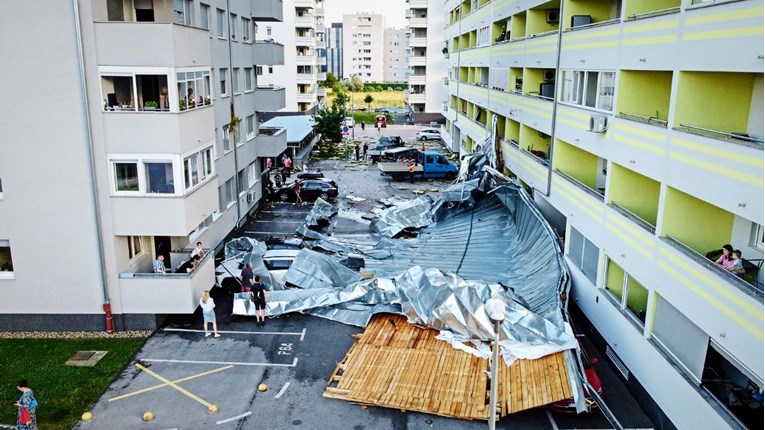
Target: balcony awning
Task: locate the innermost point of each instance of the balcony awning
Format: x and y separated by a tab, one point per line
298	126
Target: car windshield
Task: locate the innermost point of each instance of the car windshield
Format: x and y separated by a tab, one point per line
278	264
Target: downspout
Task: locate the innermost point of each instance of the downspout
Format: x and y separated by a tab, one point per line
231	109
459	65
92	168
555	101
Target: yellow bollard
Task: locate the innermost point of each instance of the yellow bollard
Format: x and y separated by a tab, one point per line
148	416
213	409
262	388
87	417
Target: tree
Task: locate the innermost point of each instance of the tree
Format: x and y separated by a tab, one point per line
328	121
356	83
330	81
368	100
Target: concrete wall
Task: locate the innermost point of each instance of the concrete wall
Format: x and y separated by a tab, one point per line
353	46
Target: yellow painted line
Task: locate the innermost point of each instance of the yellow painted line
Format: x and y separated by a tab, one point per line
635	230
591	35
755	311
738	158
533	167
189	394
726	33
755	12
640	145
567	111
653	40
570	122
566	195
597	206
593	45
653	135
716	168
188	378
683	279
650	27
547	114
629	241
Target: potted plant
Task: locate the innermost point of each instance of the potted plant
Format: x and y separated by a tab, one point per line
150	105
182	104
208	100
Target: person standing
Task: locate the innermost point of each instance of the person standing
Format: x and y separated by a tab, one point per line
246	277
362	125
208	312
298	199
159	265
356	148
269	164
26	419
411	172
366	148
288	166
270	194
258	295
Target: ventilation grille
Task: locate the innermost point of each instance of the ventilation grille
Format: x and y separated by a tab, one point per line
618	363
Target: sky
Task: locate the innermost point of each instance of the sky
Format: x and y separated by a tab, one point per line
393	10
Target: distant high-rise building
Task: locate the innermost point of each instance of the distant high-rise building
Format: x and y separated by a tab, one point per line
363	46
427	63
334	39
394	55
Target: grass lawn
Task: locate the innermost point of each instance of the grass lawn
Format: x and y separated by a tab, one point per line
63	392
381	99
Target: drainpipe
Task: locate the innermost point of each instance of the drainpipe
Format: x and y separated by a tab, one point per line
555	101
459	63
231	108
92	168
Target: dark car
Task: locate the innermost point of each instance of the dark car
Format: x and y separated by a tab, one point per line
310	191
385	142
310	175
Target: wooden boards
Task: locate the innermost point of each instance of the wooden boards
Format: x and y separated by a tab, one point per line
399	365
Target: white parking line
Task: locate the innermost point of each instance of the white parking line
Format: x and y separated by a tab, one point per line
284	388
238	417
235	363
552	420
284	333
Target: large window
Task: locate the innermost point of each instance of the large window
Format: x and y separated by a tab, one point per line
159	177
233	24
681	339
204	16
222	73
230	192
6	262
250	124
182	10
593	89
246	30
235	80
135	246
193	89
197	167
248	79
484	36
626	292
220	19
241	181
252	175
225	130
583	254
126	176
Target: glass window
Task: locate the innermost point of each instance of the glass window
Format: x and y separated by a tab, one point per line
583	254
159	177
242	181
126	176
246	29
230	191
207	159
204	16
182	12
226	141
252	175
219	23
268	31
757	240
248	78
259	70
6	262
589	88
235	81
233	24
615	280
684	341
637	298
222	73
135	246
250	124
193	89
190	171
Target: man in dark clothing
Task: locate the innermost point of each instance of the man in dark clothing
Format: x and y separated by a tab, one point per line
246	278
189	266
258	295
366	148
357	151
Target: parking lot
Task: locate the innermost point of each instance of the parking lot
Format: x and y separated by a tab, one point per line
294	355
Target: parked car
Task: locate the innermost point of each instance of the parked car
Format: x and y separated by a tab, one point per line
427	165
593	379
349	122
428	134
381	121
278	261
310	190
310	175
385	142
401	153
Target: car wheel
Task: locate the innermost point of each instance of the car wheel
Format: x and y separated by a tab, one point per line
424	138
284	197
324	196
449	176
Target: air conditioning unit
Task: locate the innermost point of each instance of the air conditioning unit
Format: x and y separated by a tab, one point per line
250	197
549	75
598	123
553	16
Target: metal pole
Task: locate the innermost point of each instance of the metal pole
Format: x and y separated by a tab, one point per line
353	129
494	366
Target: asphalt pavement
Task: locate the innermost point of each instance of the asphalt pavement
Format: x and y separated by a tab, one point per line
293	355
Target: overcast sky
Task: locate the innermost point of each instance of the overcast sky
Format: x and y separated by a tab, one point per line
393	10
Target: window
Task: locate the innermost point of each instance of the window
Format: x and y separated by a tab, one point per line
159	177
684	342
252	175
229	192
204	16
483	36
135	246
6	262
126	175
270	70
193	89
248	79
756	241
239	134
626	292
219	23
583	254
268	31
226	141
222	73
207	162
246	29
241	181
197	167
1	189
182	12
235	80
589	88
233	25
250	124
259	70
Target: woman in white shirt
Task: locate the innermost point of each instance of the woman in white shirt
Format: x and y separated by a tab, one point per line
208	304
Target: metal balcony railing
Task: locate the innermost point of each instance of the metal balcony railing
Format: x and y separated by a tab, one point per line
594	193
650	120
634	218
740	138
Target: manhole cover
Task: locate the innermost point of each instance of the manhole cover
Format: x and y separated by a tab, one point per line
86	358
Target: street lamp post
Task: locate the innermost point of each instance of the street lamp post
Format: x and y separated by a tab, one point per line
496	310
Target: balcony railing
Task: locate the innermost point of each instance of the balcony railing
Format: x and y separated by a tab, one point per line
740	138
538	156
634	218
753	290
650	120
653	13
594	193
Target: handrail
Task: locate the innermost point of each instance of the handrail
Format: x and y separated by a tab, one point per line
594	24
635	218
650	120
540	160
580	185
169	275
654	13
739	283
544	33
721	134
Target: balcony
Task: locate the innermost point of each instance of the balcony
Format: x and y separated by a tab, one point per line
307	97
137	216
585	170
267	10
270	141
269	98
170	294
306	21
306	78
268	53
151	44
308	41
416	98
418	22
418	4
321	76
304	3
321	61
305	60
417	79
417	42
418	61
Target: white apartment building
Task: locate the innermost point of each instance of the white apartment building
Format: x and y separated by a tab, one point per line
427	62
395	65
363	46
302	30
143	141
637	126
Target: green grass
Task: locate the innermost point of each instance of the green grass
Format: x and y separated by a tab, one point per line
63	392
381	99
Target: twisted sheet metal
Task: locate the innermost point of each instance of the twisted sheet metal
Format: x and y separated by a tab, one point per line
321	211
413	213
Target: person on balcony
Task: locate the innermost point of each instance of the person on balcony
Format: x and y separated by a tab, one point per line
737	267
159	265
189	266
197	251
190	98
726	259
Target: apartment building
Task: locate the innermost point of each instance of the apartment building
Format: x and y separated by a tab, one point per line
395	65
638	128
144	141
363	46
334	41
427	61
302	30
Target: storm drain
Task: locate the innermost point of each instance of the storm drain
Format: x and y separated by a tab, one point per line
86	358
